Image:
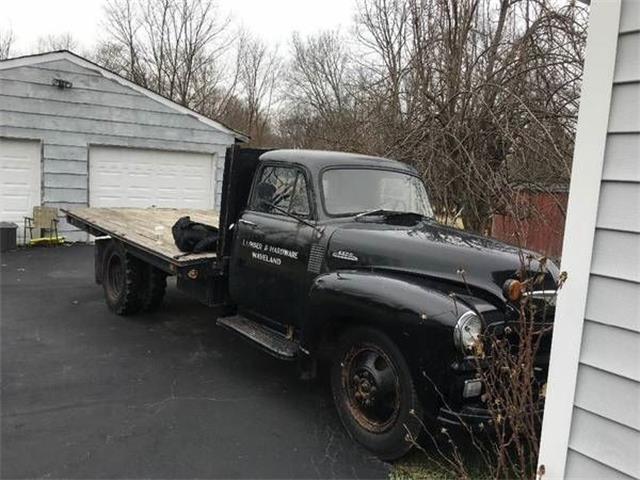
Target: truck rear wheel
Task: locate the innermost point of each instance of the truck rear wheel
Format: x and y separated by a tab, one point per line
122	280
374	393
155	285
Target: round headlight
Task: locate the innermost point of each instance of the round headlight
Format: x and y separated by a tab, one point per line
467	331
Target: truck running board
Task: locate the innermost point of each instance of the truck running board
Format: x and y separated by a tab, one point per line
273	342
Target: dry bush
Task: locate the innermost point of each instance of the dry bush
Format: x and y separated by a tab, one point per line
508	362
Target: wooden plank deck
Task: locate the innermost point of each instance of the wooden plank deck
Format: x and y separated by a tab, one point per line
138	227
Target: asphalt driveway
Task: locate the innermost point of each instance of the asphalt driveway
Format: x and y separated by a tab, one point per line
87	394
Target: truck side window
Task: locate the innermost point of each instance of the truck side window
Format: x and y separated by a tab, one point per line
283	187
300	199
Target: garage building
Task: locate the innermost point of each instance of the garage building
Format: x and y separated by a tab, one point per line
75	134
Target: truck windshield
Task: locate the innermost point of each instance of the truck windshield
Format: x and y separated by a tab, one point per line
349	191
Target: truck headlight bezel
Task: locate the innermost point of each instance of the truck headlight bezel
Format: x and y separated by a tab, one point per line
467	331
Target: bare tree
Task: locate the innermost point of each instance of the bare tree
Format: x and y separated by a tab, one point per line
382	29
259	72
174	48
484	91
63	41
7	39
122	51
321	94
479	95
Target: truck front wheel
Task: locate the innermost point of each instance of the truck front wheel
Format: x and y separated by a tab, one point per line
123	277
374	393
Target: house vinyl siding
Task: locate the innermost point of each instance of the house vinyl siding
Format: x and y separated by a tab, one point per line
592	381
584	467
602	439
602	345
74	167
97	111
602	307
606	416
630	18
105	128
616	255
624	116
621	151
615	211
628	58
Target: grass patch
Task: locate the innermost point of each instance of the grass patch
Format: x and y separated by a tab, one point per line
418	465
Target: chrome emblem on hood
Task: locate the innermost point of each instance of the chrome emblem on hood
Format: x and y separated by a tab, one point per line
345	255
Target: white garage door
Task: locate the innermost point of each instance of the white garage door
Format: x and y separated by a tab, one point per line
127	177
19	179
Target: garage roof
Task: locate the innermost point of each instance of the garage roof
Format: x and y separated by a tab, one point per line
83	62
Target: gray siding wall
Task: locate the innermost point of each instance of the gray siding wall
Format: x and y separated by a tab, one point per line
604	440
96	111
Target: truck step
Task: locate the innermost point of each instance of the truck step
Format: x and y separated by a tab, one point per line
273	342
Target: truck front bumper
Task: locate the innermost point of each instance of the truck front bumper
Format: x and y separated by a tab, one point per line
473	417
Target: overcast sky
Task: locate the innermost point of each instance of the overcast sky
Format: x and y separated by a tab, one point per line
273	20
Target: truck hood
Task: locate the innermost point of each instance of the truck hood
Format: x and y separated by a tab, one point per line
433	250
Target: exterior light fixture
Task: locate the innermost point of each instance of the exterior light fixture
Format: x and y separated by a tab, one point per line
61	84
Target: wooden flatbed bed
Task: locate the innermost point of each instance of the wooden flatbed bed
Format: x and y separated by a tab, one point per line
137	227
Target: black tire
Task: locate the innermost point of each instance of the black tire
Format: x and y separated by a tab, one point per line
155	285
123	280
392	420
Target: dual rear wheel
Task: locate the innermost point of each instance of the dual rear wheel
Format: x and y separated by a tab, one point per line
131	285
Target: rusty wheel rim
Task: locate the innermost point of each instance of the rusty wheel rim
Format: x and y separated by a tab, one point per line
372	386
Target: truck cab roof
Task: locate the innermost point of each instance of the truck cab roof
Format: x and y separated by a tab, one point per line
316	160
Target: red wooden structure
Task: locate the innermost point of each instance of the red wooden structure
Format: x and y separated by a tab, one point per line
539	225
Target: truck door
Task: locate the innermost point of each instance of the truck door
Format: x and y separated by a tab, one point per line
268	274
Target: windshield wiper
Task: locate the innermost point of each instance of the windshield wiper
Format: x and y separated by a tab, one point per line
366	213
384	211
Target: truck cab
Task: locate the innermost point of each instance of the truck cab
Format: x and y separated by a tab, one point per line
298	199
336	256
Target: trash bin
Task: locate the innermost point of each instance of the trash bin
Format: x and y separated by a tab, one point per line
7	236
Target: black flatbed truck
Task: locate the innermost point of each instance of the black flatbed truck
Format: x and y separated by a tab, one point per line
336	256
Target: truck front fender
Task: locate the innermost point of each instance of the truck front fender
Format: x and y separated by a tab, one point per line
403	308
